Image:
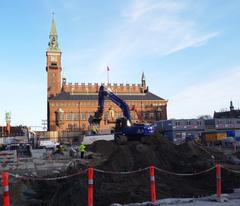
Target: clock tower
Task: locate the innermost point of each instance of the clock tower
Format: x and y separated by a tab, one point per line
53	67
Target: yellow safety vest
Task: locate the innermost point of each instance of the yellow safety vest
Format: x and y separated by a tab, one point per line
82	148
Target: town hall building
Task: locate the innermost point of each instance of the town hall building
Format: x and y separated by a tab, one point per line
70	105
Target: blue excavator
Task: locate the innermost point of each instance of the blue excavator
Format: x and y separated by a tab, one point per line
124	129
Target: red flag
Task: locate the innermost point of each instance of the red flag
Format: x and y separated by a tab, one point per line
108	69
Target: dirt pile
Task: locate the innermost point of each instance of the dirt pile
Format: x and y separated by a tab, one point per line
121	188
186	158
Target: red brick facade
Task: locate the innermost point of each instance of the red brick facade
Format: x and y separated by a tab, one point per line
54	73
75	113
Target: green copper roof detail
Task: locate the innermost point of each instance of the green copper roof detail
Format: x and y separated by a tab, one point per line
53	38
53	31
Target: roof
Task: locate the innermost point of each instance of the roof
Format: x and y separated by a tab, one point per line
94	97
53	38
228	114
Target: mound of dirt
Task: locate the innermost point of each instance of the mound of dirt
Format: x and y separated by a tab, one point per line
122	188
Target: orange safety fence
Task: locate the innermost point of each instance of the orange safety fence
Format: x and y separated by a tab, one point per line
90	173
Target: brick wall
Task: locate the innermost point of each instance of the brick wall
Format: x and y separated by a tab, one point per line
76	113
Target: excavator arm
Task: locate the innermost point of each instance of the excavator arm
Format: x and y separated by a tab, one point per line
103	92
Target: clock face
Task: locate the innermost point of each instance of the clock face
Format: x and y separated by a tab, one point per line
53	58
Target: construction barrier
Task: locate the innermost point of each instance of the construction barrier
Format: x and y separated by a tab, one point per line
90	173
90	186
6	197
153	188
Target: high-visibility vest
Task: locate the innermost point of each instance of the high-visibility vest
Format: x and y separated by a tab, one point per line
82	148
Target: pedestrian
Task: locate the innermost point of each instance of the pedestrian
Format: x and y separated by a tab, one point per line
94	130
59	150
82	150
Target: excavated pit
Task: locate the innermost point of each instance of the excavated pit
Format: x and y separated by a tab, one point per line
121	188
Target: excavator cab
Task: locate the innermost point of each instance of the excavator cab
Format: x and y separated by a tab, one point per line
124	130
121	123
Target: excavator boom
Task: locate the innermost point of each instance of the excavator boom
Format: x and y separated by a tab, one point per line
124	130
96	119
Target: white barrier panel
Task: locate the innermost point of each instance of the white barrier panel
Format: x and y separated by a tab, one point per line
93	138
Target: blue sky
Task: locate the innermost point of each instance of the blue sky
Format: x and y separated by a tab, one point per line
189	51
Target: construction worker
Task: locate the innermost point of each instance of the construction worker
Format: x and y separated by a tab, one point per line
59	150
82	150
94	130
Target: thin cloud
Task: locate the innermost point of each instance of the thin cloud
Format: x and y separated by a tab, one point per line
139	8
153	28
192	42
206	97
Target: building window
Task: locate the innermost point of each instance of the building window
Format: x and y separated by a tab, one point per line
53	64
69	127
117	115
146	115
76	117
133	115
199	123
83	116
188	123
151	115
68	116
177	123
178	135
75	126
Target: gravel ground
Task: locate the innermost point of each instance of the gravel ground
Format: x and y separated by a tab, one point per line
232	199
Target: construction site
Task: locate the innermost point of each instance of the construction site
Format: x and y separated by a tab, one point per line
136	163
113	144
121	173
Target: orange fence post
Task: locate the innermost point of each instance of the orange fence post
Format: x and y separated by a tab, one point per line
90	186
6	198
219	181
153	187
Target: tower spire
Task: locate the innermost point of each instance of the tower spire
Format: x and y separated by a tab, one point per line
143	79
53	31
53	37
231	106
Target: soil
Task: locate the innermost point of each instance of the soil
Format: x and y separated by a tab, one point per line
121	188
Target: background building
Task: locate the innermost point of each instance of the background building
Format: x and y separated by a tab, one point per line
232	113
178	130
15	131
70	105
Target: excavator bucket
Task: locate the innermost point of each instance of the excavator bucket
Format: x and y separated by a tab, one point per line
96	119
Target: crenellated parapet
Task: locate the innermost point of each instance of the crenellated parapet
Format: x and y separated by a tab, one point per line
93	88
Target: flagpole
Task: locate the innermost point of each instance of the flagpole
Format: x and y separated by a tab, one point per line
107	74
